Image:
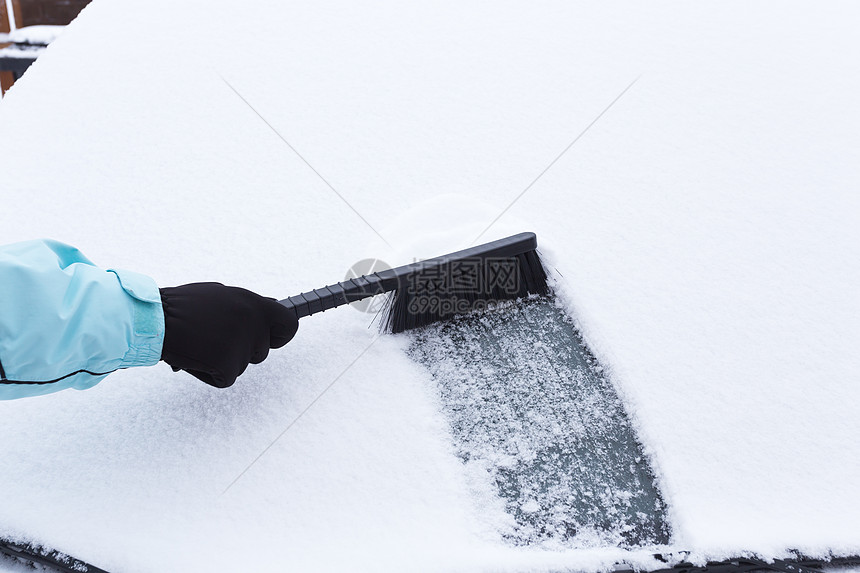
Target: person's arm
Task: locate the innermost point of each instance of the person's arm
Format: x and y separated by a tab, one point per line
66	323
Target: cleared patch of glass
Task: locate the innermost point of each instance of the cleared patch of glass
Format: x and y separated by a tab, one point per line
527	402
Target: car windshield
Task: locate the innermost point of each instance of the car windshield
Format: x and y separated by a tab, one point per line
687	393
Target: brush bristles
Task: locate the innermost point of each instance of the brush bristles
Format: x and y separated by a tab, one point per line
459	287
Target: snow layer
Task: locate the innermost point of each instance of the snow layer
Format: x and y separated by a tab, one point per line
43	34
707	229
16	52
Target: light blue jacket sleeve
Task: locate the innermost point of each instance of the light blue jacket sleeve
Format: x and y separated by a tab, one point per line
66	323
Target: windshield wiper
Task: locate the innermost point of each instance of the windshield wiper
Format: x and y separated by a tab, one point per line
67	564
47	557
751	565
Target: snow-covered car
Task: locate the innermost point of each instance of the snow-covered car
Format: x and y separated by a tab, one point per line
688	394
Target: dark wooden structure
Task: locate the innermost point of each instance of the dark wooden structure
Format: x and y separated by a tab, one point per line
7	77
54	12
32	13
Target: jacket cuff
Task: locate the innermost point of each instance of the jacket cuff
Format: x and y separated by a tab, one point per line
148	332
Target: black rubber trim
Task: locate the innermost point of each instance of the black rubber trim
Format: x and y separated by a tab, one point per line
799	564
5	381
2	372
51	559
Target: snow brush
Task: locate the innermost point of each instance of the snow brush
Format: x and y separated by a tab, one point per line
439	288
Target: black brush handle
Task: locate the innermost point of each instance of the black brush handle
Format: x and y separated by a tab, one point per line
351	290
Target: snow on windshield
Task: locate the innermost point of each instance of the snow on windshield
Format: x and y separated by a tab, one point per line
690	171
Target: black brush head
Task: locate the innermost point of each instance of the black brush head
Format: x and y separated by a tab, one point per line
441	291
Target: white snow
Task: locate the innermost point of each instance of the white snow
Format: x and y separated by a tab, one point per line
707	229
15	52
42	34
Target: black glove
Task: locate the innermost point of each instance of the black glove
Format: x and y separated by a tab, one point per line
213	331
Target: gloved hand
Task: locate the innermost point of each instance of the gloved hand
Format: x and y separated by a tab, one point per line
214	331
